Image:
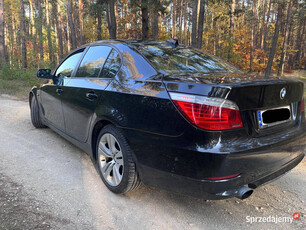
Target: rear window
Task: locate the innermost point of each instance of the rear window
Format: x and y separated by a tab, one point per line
169	60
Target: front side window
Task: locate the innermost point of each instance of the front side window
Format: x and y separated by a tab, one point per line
66	68
93	61
112	65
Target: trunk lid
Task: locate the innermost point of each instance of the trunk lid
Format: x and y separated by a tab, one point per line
252	93
247	91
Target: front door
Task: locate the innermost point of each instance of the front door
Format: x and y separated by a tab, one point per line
51	93
84	91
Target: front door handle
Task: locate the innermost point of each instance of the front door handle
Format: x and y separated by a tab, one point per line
59	91
91	96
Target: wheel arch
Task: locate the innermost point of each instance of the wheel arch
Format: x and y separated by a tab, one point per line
95	133
31	94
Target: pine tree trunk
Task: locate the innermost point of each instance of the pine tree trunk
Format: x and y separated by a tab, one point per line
145	20
23	35
155	25
201	23
71	24
252	35
112	19
174	7
285	44
2	40
99	24
267	27
231	30
58	24
81	15
275	39
262	27
40	31
50	50
185	24
194	23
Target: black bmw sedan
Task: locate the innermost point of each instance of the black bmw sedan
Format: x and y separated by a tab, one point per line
172	117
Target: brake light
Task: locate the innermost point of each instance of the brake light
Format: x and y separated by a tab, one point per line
208	113
302	105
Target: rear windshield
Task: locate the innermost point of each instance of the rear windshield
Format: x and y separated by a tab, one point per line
169	60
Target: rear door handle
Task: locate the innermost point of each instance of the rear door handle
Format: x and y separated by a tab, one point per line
91	96
59	91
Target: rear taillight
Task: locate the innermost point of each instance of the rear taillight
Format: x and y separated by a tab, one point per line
302	106
208	113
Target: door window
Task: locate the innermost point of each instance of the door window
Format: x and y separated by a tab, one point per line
67	67
93	61
111	65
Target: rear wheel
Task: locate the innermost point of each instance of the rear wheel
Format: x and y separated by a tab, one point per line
35	115
116	165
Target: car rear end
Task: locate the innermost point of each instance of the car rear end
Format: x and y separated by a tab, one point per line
248	133
239	131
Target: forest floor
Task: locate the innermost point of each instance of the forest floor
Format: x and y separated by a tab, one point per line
48	183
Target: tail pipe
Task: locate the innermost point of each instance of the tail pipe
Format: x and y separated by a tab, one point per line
241	193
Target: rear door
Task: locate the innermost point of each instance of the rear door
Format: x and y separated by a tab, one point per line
83	91
51	93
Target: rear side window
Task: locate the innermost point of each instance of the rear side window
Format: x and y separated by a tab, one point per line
111	66
93	61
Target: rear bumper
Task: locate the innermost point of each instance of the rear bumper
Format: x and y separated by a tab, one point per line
208	189
180	169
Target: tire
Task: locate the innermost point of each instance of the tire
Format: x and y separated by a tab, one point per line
35	115
116	166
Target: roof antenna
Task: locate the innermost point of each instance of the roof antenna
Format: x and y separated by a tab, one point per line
173	42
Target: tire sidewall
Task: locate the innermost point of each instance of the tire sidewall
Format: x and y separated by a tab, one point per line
123	186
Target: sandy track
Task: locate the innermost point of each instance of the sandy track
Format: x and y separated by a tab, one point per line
46	182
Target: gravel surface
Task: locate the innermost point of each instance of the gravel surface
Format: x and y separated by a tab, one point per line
46	182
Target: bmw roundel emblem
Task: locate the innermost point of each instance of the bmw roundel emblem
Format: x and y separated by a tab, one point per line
282	93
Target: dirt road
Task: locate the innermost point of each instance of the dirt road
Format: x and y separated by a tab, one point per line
46	182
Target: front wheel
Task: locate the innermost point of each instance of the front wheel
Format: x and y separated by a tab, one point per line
116	165
35	115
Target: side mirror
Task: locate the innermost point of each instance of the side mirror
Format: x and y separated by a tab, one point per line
44	73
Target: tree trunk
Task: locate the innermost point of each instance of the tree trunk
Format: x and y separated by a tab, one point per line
174	19
285	44
300	42
58	24
252	35
185	24
23	37
112	24
71	24
99	25
232	19
181	21
275	39
81	15
2	40
261	34
40	32
155	25
145	20
267	27
194	23
50	50
201	23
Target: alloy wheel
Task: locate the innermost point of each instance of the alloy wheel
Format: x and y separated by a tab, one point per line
110	159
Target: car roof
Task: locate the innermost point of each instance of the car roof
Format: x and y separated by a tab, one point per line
130	43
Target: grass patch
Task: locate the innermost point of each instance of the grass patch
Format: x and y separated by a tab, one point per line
17	82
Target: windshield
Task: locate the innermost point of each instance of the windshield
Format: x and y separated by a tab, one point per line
169	60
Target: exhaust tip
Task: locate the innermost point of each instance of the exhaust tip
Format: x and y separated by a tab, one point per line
244	193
